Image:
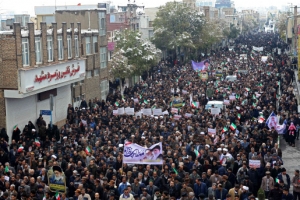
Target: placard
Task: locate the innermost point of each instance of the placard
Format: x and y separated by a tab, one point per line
254	164
177	117
188	115
212	132
165	113
157	112
226	102
174	110
147	111
214	111
184	92
136	100
138	114
115	112
121	111
129	111
231	97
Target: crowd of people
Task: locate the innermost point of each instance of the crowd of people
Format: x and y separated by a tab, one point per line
196	164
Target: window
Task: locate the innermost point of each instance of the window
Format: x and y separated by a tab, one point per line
76	46
87	45
89	74
38	50
96	72
104	88
60	47
69	40
50	48
102	26
103	59
95	44
25	52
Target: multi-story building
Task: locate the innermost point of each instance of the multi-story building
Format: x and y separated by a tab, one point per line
35	64
94	48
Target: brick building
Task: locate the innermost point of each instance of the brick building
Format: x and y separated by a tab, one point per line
93	48
64	61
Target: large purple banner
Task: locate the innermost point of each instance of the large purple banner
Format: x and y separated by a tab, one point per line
203	65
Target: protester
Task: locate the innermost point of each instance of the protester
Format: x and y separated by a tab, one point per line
215	137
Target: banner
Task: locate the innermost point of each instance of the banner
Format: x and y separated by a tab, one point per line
157	112
121	111
254	164
174	110
272	122
201	65
57	179
115	112
136	154
147	111
264	58
214	111
211	132
129	111
258	48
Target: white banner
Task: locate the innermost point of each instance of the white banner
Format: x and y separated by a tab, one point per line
121	111
264	58
174	110
254	163
157	112
258	48
136	154
115	112
214	111
211	132
147	111
129	111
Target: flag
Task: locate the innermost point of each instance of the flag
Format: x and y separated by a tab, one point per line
272	120
197	153
20	149
239	116
194	104
247	89
116	104
237	96
277	180
37	143
44	198
232	126
16	127
278	83
6	169
79	4
87	149
123	99
261	119
57	196
243	102
145	101
225	129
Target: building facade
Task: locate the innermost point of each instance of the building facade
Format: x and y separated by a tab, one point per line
93	47
35	64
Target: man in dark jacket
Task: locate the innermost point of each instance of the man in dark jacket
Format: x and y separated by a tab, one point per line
276	193
283	176
286	195
200	188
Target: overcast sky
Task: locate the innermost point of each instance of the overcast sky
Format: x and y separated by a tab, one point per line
21	6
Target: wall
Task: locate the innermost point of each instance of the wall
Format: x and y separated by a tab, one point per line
20	111
8	64
80	16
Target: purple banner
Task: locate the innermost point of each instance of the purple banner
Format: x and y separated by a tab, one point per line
200	65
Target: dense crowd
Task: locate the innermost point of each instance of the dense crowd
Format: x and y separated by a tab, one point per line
196	165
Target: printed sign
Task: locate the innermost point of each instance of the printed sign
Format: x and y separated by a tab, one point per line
129	111
211	132
136	154
57	179
147	111
121	111
157	112
214	111
254	164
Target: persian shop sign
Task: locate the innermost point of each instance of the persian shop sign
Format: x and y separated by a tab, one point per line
60	74
57	74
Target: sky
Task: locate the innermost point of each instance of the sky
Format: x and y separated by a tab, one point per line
23	6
